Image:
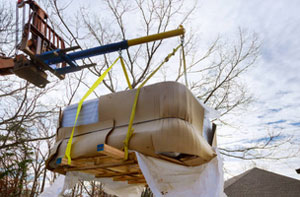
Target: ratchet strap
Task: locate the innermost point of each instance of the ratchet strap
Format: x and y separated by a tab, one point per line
130	129
132	115
94	86
125	72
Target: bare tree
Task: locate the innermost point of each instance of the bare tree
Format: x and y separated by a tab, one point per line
26	121
23	111
214	74
7	25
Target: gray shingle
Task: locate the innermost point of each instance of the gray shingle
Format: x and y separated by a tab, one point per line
258	182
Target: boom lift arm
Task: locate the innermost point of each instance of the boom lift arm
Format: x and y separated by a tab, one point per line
44	48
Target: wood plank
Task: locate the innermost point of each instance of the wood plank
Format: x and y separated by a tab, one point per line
137	182
110	151
125	168
106	160
116	174
188	158
109	164
74	163
92	159
171	159
106	172
122	178
127	178
194	161
89	167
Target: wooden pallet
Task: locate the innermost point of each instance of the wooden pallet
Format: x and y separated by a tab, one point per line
109	163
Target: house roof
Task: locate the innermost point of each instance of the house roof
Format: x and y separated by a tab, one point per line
258	182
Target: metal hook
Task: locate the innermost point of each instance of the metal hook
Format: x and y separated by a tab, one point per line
182	39
120	52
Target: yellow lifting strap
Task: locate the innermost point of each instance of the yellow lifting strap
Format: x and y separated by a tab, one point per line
125	72
184	62
130	129
94	86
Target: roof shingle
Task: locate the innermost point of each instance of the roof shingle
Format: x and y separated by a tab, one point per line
258	182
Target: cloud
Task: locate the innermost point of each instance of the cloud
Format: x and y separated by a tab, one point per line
295	124
276	122
266	139
275	80
275	110
282	92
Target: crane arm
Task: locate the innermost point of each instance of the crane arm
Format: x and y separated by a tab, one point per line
43	47
59	56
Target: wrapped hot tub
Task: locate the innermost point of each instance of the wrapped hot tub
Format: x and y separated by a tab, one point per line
169	121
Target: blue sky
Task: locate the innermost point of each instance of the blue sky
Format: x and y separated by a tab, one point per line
275	79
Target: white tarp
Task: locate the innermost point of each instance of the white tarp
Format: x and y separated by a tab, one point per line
169	179
164	179
118	188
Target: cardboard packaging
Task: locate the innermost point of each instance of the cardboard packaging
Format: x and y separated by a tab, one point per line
169	120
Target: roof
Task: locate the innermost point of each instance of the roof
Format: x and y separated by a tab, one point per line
258	182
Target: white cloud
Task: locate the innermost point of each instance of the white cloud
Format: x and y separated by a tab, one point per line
275	79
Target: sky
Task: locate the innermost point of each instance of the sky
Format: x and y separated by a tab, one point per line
274	80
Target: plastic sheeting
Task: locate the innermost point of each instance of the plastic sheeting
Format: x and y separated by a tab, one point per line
169	179
88	114
164	179
118	188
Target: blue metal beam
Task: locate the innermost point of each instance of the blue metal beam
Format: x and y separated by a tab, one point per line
54	57
70	69
67	69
